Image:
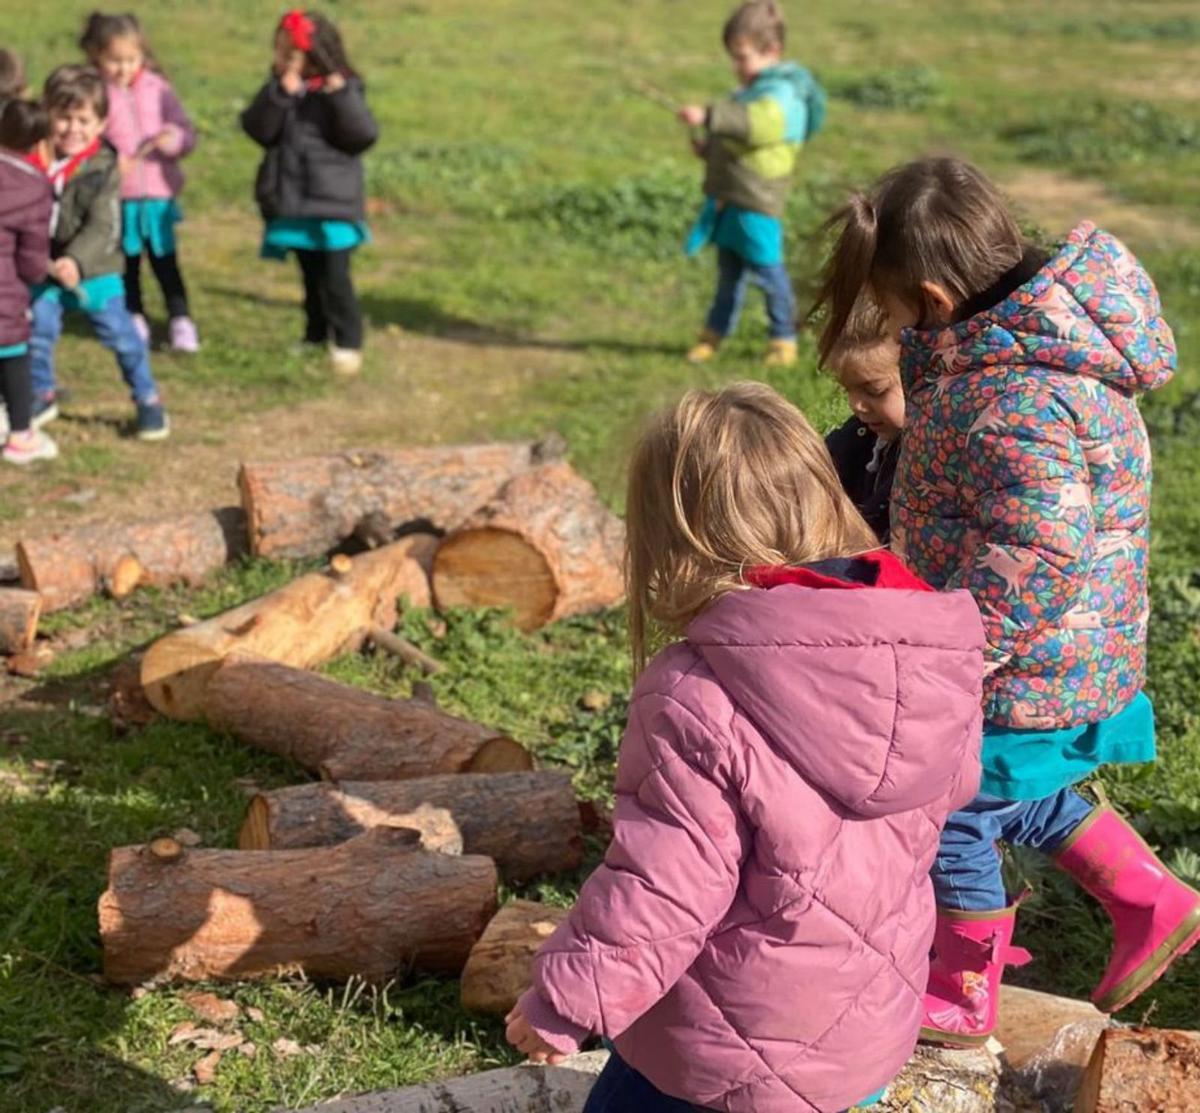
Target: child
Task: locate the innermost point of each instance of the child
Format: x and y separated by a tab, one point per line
758	935
151	132
751	142
313	120
24	256
1025	478
12	77
86	250
865	449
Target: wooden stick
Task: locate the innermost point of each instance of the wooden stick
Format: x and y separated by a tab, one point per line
405	650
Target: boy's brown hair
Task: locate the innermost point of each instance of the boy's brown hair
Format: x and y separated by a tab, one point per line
761	22
12	75
23	125
71	86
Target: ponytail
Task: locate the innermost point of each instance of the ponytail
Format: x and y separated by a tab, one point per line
847	272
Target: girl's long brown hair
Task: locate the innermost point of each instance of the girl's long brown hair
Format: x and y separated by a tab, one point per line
937	220
721	482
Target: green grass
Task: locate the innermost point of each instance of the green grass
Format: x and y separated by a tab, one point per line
531	204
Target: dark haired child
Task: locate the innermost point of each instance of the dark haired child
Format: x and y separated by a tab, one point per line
24	256
85	249
12	77
751	142
312	119
152	133
1025	479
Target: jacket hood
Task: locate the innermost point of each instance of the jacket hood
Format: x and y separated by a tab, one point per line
1092	310
866	692
22	186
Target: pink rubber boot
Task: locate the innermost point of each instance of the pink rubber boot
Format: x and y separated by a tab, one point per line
1156	917
970	951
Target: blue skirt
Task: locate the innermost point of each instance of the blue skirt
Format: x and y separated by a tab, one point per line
148	224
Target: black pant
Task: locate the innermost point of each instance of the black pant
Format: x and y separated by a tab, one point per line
16	389
330	303
166	270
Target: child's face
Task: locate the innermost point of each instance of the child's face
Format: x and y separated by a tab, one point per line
121	60
286	55
870	376
73	129
750	60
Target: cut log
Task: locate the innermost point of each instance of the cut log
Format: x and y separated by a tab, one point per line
527	823
70	567
346	734
1142	1069
310	506
941	1080
500	966
304	623
127	704
19	613
546	546
366	908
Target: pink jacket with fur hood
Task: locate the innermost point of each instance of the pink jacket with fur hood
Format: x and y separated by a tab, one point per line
140	112
757	938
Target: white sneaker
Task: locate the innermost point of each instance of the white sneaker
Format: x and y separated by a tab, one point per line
29	448
346	361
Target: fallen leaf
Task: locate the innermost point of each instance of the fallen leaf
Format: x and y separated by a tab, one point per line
188	837
182	1032
182	1085
217	1041
138	992
249	1049
286	1048
257	1015
206	1069
208	1006
188	620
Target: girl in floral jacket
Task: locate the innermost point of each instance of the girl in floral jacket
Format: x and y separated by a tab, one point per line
1025	478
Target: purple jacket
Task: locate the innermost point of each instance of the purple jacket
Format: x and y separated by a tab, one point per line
757	938
25	203
138	113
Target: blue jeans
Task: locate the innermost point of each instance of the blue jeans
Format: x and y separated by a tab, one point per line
733	275
114	329
966	873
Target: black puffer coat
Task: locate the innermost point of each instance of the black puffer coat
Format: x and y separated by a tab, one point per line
852	447
313	142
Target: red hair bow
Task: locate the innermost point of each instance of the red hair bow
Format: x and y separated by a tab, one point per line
299	28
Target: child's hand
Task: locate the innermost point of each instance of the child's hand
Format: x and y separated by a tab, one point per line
335	83
165	141
127	164
525	1039
693	115
66	271
699	147
291	77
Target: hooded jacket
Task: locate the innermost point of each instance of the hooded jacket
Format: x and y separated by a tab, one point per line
140	112
87	218
312	165
1024	478
764	911
25	204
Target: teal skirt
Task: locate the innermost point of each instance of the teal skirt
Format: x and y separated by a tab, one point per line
311	234
148	224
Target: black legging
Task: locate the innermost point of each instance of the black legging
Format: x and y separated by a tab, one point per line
330	303
166	270
16	389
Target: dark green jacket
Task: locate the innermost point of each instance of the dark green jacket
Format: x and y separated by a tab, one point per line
87	224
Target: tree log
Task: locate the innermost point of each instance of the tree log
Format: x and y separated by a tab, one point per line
19	613
1142	1069
304	623
346	734
546	546
500	965
527	823
70	567
365	908
941	1080
309	506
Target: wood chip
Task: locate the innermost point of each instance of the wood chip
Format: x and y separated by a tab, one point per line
30	663
187	837
188	620
218	1041
285	1048
257	1015
208	1006
248	1049
183	1032
206	1069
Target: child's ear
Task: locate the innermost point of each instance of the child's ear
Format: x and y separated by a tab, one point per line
939	305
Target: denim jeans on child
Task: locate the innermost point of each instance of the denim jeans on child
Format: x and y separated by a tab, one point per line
114	328
966	873
733	275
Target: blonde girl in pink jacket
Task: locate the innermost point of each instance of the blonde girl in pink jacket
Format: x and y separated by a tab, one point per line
152	133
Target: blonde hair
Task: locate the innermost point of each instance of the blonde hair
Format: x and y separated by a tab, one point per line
721	482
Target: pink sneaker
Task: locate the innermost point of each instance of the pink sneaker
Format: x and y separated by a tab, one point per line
142	327
27	448
183	335
1155	916
970	951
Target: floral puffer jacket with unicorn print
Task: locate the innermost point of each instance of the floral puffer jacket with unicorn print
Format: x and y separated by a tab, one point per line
1025	478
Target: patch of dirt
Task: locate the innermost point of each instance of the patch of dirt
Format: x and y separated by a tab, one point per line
1059	202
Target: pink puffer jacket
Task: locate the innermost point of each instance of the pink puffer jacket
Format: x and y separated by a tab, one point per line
757	938
140	112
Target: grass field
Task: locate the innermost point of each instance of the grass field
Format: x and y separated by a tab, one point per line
525	275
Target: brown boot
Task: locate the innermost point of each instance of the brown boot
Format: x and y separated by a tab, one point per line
705	348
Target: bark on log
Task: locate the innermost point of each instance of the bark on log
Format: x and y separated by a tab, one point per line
500	966
1142	1069
304	623
19	613
309	506
527	823
546	546
940	1080
346	734
70	567
366	908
